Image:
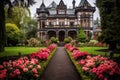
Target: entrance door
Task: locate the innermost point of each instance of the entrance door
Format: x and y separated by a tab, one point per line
61	36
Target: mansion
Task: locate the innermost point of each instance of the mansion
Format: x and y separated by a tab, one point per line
57	20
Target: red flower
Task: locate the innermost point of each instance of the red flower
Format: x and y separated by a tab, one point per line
34	70
17	72
3	73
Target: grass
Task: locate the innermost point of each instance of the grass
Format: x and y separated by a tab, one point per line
13	51
97	51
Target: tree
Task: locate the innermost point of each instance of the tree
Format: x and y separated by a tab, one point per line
12	34
110	22
20	16
81	37
31	28
10	3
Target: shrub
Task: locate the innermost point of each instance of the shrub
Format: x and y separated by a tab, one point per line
81	37
53	40
68	40
12	33
33	42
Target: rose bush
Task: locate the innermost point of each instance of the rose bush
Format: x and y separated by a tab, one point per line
43	54
25	68
101	67
76	53
98	67
21	69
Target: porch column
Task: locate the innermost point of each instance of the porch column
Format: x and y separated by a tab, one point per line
66	34
57	34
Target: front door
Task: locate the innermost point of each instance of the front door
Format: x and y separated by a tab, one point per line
61	36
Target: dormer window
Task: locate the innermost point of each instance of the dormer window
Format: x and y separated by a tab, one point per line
61	12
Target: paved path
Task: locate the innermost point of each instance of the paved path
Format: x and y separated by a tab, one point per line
60	67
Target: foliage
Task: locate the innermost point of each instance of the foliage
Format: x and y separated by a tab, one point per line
12	33
31	28
33	42
53	40
110	22
20	16
10	4
81	37
68	40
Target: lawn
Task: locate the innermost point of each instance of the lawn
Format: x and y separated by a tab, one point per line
13	51
97	50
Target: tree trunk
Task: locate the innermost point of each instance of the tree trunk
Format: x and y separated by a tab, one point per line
2	26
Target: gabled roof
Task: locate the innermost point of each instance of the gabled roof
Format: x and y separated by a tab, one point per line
61	4
83	3
42	9
53	5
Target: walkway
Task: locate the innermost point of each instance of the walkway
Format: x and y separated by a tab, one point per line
60	67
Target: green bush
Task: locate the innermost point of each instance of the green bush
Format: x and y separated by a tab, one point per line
81	37
53	40
68	40
12	34
33	42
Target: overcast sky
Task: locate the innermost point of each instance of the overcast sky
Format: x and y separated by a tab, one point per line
67	2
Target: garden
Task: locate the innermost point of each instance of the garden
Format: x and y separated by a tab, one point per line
93	67
27	67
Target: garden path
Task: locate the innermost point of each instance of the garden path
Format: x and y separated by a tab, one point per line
60	67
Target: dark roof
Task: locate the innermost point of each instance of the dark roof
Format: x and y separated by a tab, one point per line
53	5
42	9
84	2
61	5
84	5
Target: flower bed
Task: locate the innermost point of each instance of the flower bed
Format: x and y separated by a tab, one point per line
43	54
97	67
25	68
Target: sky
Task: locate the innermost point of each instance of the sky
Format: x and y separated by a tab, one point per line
67	2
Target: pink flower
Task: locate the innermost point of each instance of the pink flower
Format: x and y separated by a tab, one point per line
25	69
100	76
105	78
36	75
12	74
34	70
1	66
3	73
85	68
38	67
30	66
17	72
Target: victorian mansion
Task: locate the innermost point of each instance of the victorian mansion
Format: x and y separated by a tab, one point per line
57	20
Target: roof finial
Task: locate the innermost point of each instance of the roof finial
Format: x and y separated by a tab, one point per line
42	1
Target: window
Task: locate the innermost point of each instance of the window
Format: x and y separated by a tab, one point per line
61	24
71	24
43	24
61	11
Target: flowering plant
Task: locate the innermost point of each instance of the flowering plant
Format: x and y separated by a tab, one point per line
76	53
79	55
21	69
101	67
43	54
